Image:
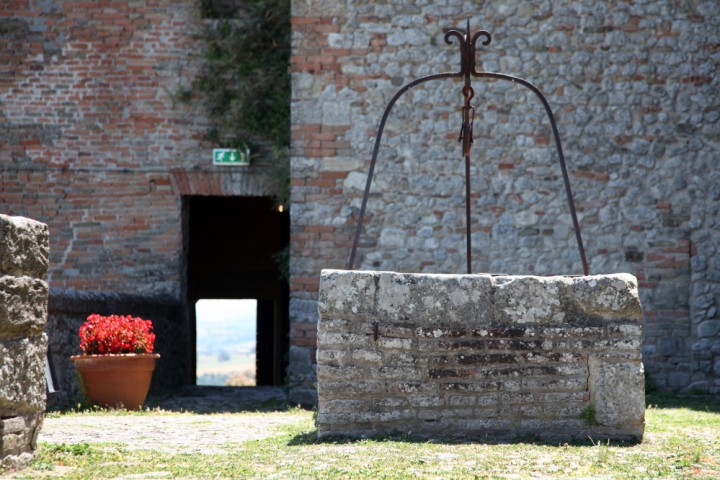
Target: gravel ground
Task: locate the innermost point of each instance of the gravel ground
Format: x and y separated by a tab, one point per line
197	419
182	433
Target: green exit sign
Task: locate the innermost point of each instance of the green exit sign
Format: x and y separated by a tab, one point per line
231	156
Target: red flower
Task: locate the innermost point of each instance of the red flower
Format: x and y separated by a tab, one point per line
116	334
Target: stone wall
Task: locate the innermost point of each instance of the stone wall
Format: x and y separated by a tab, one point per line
634	88
97	142
23	345
480	356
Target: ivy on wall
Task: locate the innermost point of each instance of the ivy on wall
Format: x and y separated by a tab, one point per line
245	83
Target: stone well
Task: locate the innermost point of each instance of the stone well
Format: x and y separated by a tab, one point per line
480	356
24	251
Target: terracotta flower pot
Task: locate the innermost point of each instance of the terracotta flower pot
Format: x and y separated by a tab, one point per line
116	380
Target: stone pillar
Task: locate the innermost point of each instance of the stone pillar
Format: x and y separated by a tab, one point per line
24	252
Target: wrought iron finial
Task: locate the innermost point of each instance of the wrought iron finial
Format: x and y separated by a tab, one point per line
468	48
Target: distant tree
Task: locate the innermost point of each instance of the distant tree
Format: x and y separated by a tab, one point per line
242	378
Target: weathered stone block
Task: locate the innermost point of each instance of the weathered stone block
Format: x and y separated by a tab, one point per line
22	369
477	355
23	343
709	328
617	391
606	297
534	300
18	439
23	306
448	298
24	247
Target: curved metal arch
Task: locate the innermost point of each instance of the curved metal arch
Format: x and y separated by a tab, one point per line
376	148
468	69
561	155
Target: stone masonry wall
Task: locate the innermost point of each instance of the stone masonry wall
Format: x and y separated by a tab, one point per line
23	345
634	87
480	356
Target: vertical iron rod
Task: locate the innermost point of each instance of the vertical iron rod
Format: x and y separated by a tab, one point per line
468	233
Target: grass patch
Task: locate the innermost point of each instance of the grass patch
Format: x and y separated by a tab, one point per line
681	441
588	415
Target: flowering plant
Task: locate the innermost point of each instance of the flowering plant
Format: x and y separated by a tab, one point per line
116	334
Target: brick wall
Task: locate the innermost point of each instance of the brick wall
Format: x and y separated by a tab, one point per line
634	89
478	355
90	134
96	141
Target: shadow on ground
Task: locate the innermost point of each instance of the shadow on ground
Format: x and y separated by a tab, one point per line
311	438
699	402
209	400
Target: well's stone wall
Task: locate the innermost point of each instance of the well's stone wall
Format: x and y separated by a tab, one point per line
24	252
480	355
634	88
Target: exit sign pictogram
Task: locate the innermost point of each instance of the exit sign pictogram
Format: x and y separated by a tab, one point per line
231	156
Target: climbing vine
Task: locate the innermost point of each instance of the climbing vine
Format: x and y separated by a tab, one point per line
245	83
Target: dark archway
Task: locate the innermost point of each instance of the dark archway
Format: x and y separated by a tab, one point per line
231	243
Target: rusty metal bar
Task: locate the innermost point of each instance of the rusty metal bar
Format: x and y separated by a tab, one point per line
466	137
561	157
376	148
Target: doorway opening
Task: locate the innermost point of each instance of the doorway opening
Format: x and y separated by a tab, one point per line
237	300
226	342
